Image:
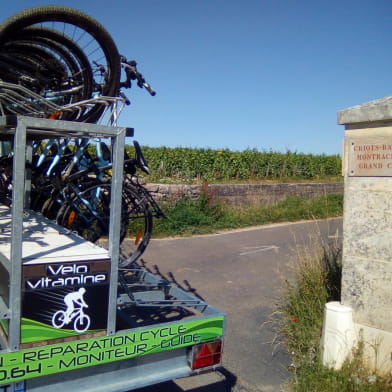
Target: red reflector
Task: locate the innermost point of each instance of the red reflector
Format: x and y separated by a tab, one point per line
206	354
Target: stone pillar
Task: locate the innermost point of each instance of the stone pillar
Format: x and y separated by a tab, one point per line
367	227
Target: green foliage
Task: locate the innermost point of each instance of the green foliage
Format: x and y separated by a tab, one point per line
206	214
194	164
352	377
318	272
187	216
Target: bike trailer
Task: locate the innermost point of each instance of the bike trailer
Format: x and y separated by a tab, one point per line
162	331
75	316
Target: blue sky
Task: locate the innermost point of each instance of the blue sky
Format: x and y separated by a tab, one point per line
264	74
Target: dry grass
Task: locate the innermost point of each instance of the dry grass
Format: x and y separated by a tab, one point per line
317	277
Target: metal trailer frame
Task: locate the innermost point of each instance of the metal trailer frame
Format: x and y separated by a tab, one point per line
114	376
20	128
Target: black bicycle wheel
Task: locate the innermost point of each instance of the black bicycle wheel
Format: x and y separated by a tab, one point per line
50	208
5	191
88	34
35	66
87	213
140	223
38	70
6	180
77	81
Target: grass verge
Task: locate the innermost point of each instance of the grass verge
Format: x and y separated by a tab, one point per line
206	215
300	318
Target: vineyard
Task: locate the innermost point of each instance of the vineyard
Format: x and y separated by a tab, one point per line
194	164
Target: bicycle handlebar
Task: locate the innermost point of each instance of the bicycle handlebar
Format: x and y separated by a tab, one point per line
130	165
149	89
132	73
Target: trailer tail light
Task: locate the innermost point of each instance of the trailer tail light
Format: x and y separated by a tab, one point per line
206	354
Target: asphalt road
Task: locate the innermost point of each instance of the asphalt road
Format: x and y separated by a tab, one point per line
241	273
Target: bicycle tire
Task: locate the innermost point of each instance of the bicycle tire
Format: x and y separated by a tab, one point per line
140	223
5	193
37	69
136	219
67	15
90	221
55	72
35	62
50	209
62	47
6	180
69	217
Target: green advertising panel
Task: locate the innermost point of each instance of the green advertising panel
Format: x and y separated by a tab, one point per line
45	360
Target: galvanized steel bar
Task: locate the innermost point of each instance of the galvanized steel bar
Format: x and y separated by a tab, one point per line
17	233
115	225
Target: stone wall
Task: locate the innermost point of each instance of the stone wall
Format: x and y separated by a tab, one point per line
240	194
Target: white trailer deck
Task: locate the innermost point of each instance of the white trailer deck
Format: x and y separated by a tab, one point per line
46	242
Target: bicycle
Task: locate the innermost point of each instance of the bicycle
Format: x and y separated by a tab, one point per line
49	58
81	29
76	192
81	321
88	211
57	62
74	188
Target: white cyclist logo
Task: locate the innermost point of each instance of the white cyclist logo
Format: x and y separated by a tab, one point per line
75	314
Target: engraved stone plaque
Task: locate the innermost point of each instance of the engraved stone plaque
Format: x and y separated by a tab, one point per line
369	157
